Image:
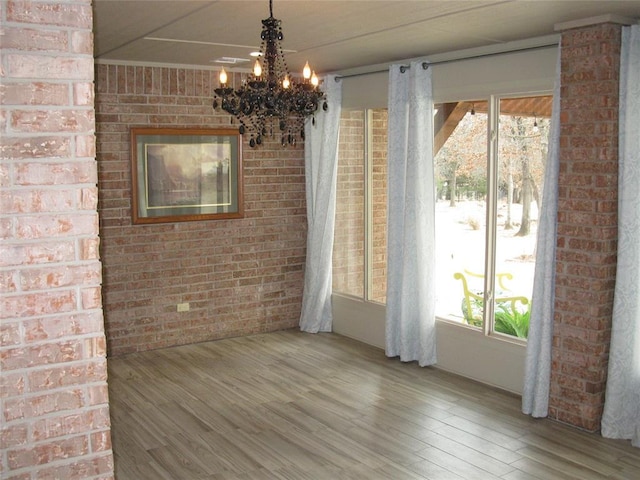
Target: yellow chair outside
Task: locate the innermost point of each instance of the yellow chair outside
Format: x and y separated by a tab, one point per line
471	315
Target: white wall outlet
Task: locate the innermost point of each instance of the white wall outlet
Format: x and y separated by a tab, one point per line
183	307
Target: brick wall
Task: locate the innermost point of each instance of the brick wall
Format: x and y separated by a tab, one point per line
53	398
240	276
587	223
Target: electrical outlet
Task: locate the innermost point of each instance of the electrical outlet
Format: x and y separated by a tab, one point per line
183	307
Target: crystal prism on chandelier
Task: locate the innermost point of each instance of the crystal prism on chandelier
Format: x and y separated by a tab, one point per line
271	103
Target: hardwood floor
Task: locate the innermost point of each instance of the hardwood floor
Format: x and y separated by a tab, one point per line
297	406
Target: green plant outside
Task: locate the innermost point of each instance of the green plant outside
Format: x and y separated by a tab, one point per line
511	321
507	320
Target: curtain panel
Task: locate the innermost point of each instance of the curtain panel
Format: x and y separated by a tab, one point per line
535	395
621	416
410	312
321	170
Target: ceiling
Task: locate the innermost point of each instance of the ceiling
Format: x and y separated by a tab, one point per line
335	36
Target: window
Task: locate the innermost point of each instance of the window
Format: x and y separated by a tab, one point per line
488	196
359	252
348	246
489	157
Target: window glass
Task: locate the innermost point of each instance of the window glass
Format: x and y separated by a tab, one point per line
460	156
487	210
348	248
378	284
360	245
521	157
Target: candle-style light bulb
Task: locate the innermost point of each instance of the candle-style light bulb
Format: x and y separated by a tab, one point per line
257	69
286	82
223	77
314	79
306	71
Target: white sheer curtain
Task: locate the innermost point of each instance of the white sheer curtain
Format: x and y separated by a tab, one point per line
321	169
535	396
410	313
621	418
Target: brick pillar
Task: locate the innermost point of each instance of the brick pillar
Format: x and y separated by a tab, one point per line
53	392
587	223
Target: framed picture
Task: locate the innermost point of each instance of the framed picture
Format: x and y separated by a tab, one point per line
181	175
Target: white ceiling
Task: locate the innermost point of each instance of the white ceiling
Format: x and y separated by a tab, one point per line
333	35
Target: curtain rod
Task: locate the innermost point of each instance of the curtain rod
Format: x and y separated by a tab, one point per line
427	64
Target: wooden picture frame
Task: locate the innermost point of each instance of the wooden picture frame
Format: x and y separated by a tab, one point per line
181	175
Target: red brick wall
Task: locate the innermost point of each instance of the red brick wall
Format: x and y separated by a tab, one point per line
239	276
54	401
587	223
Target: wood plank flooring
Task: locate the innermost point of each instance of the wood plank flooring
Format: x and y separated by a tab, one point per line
295	406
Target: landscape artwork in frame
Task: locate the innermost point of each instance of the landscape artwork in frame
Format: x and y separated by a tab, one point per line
185	175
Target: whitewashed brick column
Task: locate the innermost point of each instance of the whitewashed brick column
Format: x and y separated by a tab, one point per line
53	397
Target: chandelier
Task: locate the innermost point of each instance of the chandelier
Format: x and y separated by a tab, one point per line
271	102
